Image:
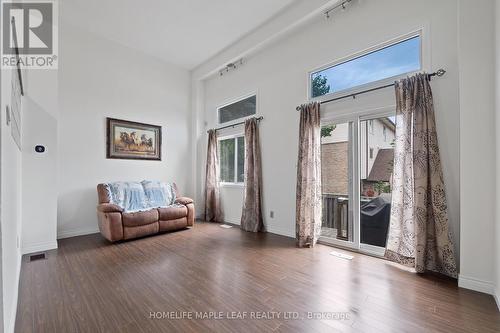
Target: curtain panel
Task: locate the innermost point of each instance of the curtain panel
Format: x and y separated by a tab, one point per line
308	194
418	234
213	211
251	216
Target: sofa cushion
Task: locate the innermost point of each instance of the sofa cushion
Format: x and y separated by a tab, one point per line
140	231
172	225
172	212
140	218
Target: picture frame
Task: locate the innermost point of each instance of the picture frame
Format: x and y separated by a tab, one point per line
132	140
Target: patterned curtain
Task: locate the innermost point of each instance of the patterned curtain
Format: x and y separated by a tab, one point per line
213	212
308	209
251	217
418	232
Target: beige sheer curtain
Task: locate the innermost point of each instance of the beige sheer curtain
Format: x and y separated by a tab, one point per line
213	212
418	232
251	217
308	208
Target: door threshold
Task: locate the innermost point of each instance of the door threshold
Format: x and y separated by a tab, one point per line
370	250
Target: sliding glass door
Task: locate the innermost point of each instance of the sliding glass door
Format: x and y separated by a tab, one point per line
357	160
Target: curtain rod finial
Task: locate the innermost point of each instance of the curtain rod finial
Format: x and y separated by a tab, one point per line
440	72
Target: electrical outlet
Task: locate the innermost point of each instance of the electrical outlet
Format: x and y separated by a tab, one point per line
271	214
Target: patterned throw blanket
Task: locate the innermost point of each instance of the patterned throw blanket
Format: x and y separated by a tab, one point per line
141	196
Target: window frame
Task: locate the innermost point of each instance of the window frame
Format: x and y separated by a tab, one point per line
235	138
424	49
236	100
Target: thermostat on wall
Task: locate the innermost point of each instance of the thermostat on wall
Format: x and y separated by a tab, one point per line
39	149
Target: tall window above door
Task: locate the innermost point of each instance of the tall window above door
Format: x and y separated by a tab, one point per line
240	109
232	159
390	60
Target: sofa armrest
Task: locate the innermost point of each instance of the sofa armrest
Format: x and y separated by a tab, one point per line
110	225
109	208
190	215
183	200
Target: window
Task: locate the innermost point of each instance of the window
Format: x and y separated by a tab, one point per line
397	59
241	109
232	159
385	134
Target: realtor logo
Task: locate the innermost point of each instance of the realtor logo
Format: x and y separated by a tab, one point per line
29	34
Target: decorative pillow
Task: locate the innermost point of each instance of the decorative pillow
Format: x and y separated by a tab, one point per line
158	194
128	195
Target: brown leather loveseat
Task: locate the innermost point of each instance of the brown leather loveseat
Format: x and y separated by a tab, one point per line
116	225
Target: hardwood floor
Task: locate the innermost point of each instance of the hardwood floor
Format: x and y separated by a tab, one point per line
90	285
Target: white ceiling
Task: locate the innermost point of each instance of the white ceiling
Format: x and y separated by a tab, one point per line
182	32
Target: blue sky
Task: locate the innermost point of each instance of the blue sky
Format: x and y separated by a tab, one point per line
396	59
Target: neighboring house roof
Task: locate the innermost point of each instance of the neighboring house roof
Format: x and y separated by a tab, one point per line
389	123
382	166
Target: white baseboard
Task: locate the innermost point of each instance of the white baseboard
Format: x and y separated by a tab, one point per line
232	221
12	319
76	232
39	247
279	231
476	284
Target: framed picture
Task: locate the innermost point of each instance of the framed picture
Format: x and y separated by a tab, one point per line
131	140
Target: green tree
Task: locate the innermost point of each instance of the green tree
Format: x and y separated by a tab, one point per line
327	130
382	187
320	86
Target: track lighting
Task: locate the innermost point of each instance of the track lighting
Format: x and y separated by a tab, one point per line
342	6
231	66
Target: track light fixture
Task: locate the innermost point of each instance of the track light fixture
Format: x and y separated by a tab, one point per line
231	66
342	5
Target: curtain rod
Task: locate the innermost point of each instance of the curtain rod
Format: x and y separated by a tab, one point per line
439	72
240	123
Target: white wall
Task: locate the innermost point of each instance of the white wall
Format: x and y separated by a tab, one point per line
10	206
279	75
477	144
39	171
497	130
97	79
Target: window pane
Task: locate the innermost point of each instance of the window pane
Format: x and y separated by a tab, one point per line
241	159
240	109
400	58
376	167
336	175
227	154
